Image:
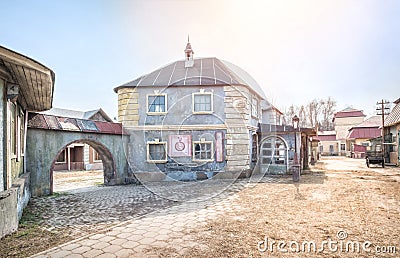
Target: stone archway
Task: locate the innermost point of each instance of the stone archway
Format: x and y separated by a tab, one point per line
273	155
105	156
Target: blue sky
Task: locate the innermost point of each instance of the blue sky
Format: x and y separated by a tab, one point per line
296	50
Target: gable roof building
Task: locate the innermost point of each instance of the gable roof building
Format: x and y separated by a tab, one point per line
97	114
394	117
348	113
392	134
367	129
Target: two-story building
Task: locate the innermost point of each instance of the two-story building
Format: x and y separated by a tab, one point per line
343	121
191	119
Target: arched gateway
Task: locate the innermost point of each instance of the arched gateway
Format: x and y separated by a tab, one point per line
48	136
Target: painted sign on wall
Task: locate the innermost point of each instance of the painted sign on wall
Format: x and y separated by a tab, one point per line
180	145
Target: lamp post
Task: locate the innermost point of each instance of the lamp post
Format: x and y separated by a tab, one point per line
296	166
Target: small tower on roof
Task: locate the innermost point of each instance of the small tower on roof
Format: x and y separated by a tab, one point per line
189	62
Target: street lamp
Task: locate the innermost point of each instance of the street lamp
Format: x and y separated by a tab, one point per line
296	166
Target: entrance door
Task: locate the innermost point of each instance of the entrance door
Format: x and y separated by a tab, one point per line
273	156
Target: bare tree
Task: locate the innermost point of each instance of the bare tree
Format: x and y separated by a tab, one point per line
316	114
328	110
289	114
313	111
302	116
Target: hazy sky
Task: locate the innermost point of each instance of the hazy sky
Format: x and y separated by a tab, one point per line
296	50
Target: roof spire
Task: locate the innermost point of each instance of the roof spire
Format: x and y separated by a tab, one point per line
189	62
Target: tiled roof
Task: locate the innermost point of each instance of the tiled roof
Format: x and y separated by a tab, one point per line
205	72
49	122
394	116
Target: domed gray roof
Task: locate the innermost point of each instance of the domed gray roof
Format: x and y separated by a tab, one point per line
205	72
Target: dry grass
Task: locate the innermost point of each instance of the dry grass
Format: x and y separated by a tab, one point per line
31	237
363	204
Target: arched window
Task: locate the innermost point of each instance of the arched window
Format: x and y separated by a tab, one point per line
273	155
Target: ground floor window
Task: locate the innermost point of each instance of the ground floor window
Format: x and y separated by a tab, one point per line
331	148
342	146
157	152
321	148
203	150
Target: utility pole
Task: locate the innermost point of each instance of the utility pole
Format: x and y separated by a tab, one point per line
383	108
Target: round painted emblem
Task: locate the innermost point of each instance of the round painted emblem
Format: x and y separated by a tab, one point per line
179	146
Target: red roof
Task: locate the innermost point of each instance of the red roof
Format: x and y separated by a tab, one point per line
41	121
348	112
364	133
326	137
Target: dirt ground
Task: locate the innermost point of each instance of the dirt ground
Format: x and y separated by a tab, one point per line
76	181
339	201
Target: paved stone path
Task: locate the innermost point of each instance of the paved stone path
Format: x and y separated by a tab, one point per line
141	236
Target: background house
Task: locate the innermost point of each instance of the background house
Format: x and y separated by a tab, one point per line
343	121
359	135
26	85
78	156
392	134
271	114
328	145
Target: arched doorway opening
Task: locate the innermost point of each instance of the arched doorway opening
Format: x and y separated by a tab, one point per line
81	164
273	155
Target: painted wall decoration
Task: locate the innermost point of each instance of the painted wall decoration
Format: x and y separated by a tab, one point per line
180	145
219	146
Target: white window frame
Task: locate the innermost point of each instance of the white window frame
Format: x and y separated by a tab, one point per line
254	107
200	142
149	160
65	157
194	94
94	152
13	130
165	104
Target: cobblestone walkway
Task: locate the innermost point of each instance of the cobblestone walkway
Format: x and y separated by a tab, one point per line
141	236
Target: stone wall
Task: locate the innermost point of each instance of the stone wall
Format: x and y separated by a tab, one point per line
12	203
128	106
238	115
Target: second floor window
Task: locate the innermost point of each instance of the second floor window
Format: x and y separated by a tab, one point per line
156	104
202	102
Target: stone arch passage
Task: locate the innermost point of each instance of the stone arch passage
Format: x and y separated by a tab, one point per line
43	146
109	169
